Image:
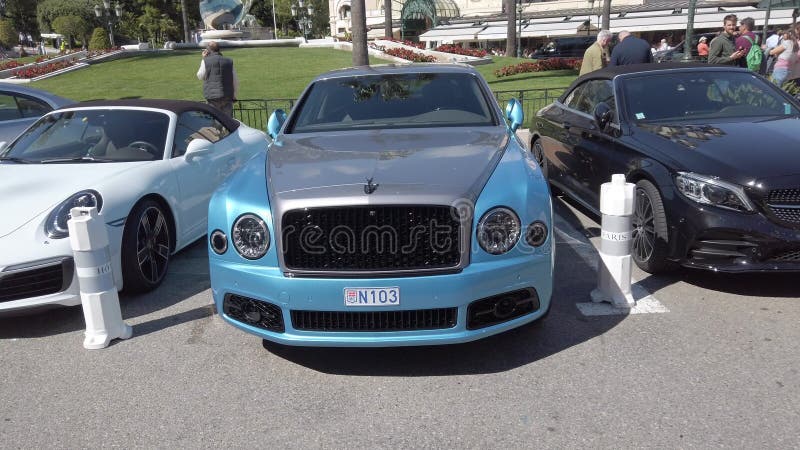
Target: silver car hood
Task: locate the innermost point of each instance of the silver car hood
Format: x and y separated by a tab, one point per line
419	166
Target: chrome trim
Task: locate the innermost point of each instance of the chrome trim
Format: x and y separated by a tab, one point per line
35	265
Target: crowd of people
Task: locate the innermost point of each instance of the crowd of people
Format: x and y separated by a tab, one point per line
736	45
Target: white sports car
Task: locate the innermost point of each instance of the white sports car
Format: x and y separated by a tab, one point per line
150	167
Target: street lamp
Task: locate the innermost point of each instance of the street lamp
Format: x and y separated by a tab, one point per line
303	15
519	33
106	12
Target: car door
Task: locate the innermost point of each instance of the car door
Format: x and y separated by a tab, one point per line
17	112
200	175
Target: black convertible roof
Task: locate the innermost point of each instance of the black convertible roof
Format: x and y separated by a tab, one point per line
176	106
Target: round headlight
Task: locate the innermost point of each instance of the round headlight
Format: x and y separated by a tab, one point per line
536	234
218	241
56	225
250	236
498	230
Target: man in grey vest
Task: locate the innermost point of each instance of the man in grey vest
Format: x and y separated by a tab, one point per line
220	83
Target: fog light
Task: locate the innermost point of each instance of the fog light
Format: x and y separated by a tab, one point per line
219	242
536	234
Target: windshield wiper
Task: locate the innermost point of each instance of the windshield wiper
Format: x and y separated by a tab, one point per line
77	159
16	160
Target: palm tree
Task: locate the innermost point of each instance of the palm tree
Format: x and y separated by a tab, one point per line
359	31
511	29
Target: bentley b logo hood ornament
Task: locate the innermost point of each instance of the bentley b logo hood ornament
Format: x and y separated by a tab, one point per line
370	187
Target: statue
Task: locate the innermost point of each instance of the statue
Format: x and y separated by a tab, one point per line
223	14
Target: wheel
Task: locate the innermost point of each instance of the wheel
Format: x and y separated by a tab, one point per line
146	247
650	237
144	146
538	154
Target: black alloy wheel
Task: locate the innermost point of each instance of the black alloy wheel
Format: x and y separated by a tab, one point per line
650	236
146	247
538	155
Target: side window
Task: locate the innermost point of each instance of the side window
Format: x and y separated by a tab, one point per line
586	96
31	107
575	97
8	108
193	125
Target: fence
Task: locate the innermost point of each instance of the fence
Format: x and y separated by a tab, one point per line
255	112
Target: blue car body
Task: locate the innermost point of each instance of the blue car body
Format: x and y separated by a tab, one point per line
478	295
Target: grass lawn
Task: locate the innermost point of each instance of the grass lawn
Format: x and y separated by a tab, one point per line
264	73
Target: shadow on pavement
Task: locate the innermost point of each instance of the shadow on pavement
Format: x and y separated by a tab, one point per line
175	288
562	329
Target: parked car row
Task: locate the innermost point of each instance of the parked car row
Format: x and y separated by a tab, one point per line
396	205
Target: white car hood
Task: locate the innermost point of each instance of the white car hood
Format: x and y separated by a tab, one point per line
29	190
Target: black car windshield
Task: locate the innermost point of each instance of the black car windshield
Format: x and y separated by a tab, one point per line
92	135
707	95
393	101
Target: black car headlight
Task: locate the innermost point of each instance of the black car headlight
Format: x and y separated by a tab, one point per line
713	191
56	225
498	230
250	236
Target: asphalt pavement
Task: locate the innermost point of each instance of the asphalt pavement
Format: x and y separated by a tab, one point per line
717	366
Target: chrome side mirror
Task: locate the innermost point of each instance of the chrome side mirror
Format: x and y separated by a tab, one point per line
275	122
514	114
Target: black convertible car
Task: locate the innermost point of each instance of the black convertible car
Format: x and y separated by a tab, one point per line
714	152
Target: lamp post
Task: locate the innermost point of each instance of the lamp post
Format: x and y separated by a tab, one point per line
303	15
106	11
519	32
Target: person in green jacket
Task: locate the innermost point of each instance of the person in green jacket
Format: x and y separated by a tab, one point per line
723	47
596	56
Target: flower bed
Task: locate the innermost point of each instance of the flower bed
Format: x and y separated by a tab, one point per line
9	65
419	45
455	49
409	55
541	65
39	70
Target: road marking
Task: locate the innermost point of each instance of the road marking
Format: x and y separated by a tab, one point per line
646	303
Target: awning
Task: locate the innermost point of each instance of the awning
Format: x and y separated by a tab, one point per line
451	33
377	33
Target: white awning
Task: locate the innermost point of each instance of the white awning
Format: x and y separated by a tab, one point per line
450	33
379	32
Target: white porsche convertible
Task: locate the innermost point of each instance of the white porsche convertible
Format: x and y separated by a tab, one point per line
150	167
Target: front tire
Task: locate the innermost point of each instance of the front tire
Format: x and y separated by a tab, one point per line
650	236
146	247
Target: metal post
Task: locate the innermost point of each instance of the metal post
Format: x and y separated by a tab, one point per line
687	41
519	33
766	23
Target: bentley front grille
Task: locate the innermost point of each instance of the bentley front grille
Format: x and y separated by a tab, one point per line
371	238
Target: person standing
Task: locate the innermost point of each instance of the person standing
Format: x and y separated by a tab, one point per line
630	50
596	56
220	83
771	42
746	38
785	57
702	48
723	47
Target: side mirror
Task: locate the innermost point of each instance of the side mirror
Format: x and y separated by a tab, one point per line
602	115
197	147
275	122
514	114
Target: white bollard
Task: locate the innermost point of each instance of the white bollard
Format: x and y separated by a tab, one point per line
614	269
89	240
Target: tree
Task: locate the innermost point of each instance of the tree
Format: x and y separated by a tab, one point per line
157	26
99	40
387	19
23	15
606	14
184	21
359	29
48	10
511	28
9	37
72	26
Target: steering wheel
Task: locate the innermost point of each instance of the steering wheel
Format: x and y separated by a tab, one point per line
144	146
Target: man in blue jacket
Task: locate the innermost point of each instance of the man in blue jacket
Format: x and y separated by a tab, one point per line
630	50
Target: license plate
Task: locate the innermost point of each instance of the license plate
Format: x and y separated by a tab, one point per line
389	296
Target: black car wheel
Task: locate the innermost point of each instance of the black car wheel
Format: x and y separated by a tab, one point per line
146	247
538	155
650	237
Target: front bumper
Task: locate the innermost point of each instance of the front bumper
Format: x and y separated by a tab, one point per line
476	281
720	240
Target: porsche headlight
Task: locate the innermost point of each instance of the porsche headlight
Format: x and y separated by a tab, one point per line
56	225
250	236
712	191
498	230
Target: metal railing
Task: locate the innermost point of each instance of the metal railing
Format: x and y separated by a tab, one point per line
255	112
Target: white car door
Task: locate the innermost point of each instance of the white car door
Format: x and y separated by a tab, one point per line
200	175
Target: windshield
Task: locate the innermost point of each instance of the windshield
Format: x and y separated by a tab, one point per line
393	101
703	96
92	135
